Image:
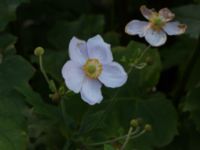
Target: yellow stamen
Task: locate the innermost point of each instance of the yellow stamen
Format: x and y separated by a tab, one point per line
92	68
156	22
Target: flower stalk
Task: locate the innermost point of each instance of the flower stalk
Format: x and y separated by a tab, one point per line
135	63
134	132
39	51
43	70
127	138
132	135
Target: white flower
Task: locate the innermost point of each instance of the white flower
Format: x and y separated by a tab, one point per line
158	26
92	65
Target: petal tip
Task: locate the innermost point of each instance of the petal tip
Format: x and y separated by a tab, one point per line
73	38
142	7
136	27
92	102
156	38
182	27
146	12
126	29
167	14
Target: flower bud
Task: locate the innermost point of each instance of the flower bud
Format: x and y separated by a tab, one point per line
55	97
134	123
149	60
148	127
39	51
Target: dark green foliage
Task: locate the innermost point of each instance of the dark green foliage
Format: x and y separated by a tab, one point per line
163	88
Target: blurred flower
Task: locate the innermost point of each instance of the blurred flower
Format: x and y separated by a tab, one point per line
158	26
92	65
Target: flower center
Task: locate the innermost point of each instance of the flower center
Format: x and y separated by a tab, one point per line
92	68
157	22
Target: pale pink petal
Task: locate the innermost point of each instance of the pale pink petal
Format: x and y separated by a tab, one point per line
166	14
100	50
136	27
155	38
146	12
174	28
73	74
77	50
113	75
91	91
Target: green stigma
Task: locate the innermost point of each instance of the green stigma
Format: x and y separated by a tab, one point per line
157	22
92	68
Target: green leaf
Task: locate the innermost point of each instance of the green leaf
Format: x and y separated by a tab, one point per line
39	106
142	79
12	107
54	68
192	104
161	114
12	123
186	15
155	110
15	71
194	79
174	54
7	42
108	147
87	125
7	11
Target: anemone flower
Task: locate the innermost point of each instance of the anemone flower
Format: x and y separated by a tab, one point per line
91	65
157	28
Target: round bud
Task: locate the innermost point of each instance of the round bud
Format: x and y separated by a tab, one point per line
148	127
134	123
149	60
39	51
55	97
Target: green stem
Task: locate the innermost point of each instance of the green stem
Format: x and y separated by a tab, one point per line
127	138
138	135
138	59
132	135
67	92
62	104
51	83
143	53
43	70
67	120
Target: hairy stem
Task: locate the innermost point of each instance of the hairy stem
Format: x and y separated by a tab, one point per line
43	70
131	135
127	138
138	59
